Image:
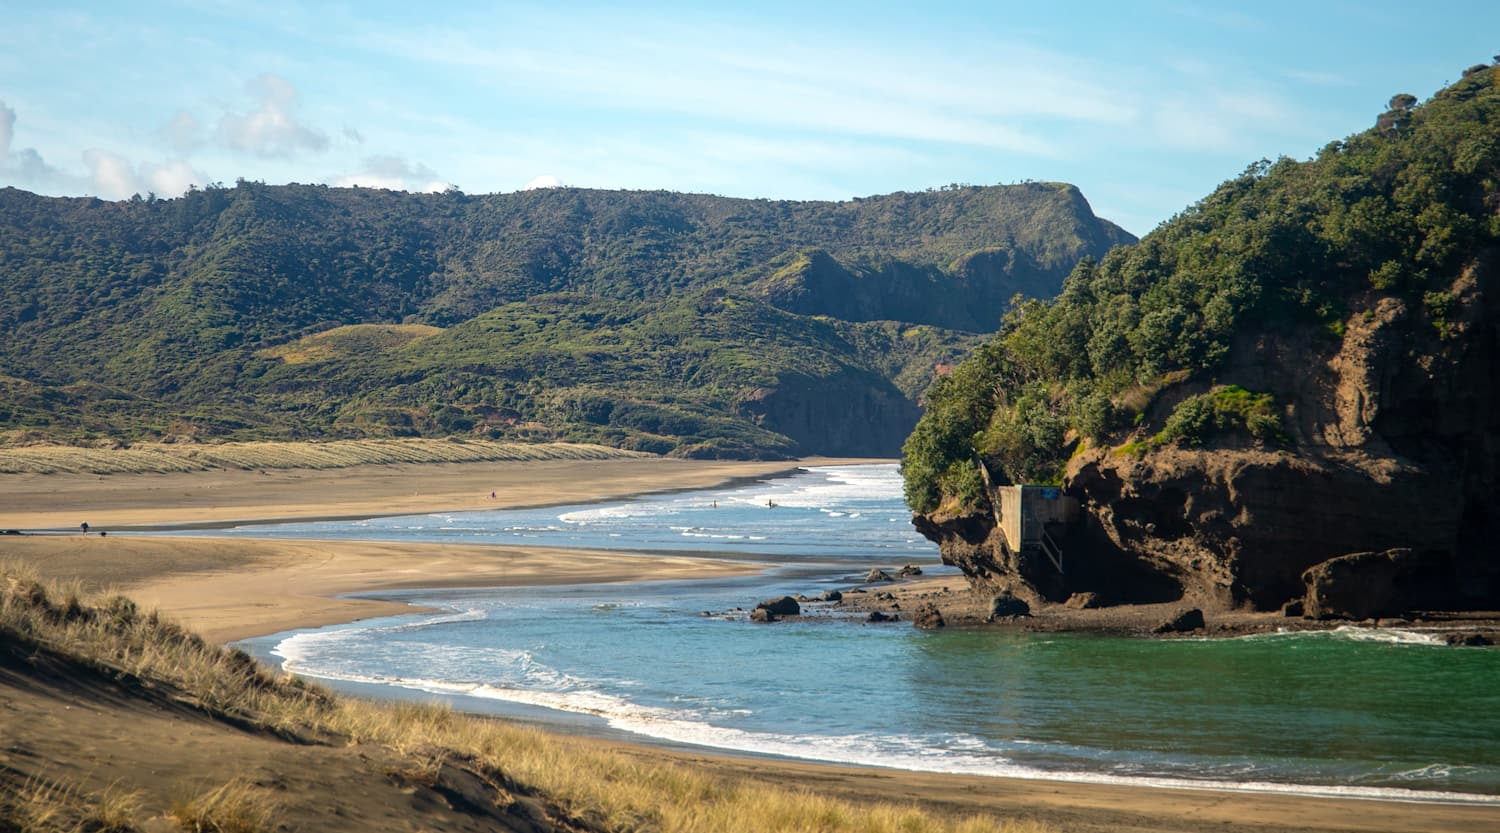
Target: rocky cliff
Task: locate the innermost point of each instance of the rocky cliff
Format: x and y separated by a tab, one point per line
1286	395
1393	449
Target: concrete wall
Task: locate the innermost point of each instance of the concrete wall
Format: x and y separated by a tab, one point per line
1023	512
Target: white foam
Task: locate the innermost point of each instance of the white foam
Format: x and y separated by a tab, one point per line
953	754
1351	633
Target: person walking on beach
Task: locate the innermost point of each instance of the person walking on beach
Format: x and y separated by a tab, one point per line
84	527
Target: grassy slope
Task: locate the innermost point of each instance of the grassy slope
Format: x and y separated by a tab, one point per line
156	458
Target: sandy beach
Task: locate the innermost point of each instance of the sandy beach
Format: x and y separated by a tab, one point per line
222	497
229	589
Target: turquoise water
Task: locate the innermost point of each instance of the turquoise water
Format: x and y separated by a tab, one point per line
1353	711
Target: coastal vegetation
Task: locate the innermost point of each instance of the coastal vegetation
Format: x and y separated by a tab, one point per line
420	763
159	458
1169	341
671	323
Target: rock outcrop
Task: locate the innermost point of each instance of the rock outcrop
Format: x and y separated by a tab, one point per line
1366	585
1381	499
853	413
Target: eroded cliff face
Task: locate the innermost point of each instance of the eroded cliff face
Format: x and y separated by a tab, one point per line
849	414
1394	455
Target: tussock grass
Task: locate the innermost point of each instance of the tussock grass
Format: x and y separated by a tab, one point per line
161	458
49	805
588	785
235	807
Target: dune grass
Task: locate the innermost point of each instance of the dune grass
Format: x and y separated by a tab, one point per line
591	786
160	458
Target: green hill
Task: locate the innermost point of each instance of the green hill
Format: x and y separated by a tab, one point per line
633	318
1302	365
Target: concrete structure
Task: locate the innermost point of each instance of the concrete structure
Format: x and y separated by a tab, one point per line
1023	513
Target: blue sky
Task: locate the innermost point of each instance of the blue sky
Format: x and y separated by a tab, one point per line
1145	106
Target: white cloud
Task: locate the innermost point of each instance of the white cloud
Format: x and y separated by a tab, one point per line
173	178
272	128
394	173
115	177
25	167
111	174
543	181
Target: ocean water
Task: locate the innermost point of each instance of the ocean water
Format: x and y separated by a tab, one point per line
1351	712
822	514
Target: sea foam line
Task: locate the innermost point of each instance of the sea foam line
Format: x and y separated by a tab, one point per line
900	752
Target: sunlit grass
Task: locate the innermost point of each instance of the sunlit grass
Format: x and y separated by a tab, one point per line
160	458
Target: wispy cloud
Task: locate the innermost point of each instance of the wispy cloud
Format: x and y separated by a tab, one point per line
750	83
1223	18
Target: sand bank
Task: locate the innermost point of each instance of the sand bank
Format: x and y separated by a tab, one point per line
62	501
231	588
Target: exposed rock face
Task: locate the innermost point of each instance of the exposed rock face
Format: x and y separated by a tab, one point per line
1185	622
928	617
1385	498
1005	606
852	414
1234	526
784	606
1365	585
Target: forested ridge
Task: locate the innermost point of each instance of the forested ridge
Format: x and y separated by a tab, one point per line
1168	342
662	321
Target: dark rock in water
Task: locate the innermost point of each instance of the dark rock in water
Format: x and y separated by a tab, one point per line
832	596
928	617
1473	639
1005	606
1184	622
1367	585
909	570
784	606
762	615
877	616
1084	601
1292	609
878	574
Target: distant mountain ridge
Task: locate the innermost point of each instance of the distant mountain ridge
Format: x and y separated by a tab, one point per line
148	318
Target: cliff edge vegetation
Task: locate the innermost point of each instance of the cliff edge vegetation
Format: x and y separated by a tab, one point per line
1286	394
